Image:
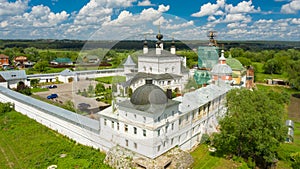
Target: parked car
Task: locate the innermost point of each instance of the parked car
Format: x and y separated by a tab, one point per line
52	96
52	86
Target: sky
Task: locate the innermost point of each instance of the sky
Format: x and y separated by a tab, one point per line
139	19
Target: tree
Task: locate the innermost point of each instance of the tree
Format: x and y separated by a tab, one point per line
253	127
99	88
294	74
22	88
41	66
244	61
273	66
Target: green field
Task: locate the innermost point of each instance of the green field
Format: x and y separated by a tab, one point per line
111	79
25	143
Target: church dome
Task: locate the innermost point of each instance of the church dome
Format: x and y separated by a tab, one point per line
148	94
221	69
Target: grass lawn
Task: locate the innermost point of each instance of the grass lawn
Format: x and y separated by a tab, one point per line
203	159
260	76
111	79
25	143
37	89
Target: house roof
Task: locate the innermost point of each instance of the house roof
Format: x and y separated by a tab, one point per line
234	64
13	74
67	72
142	75
3	56
22	58
129	61
62	60
201	96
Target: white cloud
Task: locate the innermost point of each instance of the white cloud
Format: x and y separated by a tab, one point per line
179	26
242	7
210	9
145	3
291	8
237	17
296	21
237	25
12	8
163	8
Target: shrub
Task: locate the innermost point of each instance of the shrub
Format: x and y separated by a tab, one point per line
5	107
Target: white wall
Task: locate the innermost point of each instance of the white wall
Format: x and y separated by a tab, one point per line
77	133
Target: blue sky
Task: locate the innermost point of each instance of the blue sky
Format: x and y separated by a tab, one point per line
136	19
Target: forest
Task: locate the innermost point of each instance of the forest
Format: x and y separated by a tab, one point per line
280	60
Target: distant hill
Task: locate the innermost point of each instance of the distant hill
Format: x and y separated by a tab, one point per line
136	45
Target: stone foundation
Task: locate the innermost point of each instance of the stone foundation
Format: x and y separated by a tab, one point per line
119	158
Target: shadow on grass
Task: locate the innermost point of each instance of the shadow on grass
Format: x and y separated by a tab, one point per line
297	95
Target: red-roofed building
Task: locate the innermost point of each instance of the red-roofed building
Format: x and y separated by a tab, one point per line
4	60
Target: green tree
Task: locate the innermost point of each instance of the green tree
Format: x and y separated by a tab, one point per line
244	61
253	127
294	74
273	66
41	66
99	88
237	52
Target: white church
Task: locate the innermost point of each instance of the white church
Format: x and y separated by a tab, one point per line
165	68
149	122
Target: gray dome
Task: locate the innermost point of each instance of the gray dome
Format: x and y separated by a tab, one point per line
148	94
221	69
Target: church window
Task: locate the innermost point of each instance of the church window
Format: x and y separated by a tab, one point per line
105	122
173	68
126	128
172	126
144	68
134	130
126	114
172	140
166	69
179	121
112	124
169	82
144	119
158	148
187	117
158	119
135	145
158	132
126	142
118	126
164	143
166	128
134	115
144	133
150	69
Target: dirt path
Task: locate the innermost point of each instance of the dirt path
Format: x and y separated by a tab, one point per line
294	109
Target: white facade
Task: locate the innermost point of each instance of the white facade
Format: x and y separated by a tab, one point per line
159	64
179	124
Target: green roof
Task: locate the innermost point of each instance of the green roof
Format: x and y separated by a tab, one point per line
63	60
202	77
234	64
207	56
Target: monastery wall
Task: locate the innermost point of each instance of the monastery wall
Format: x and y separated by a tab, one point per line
80	134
